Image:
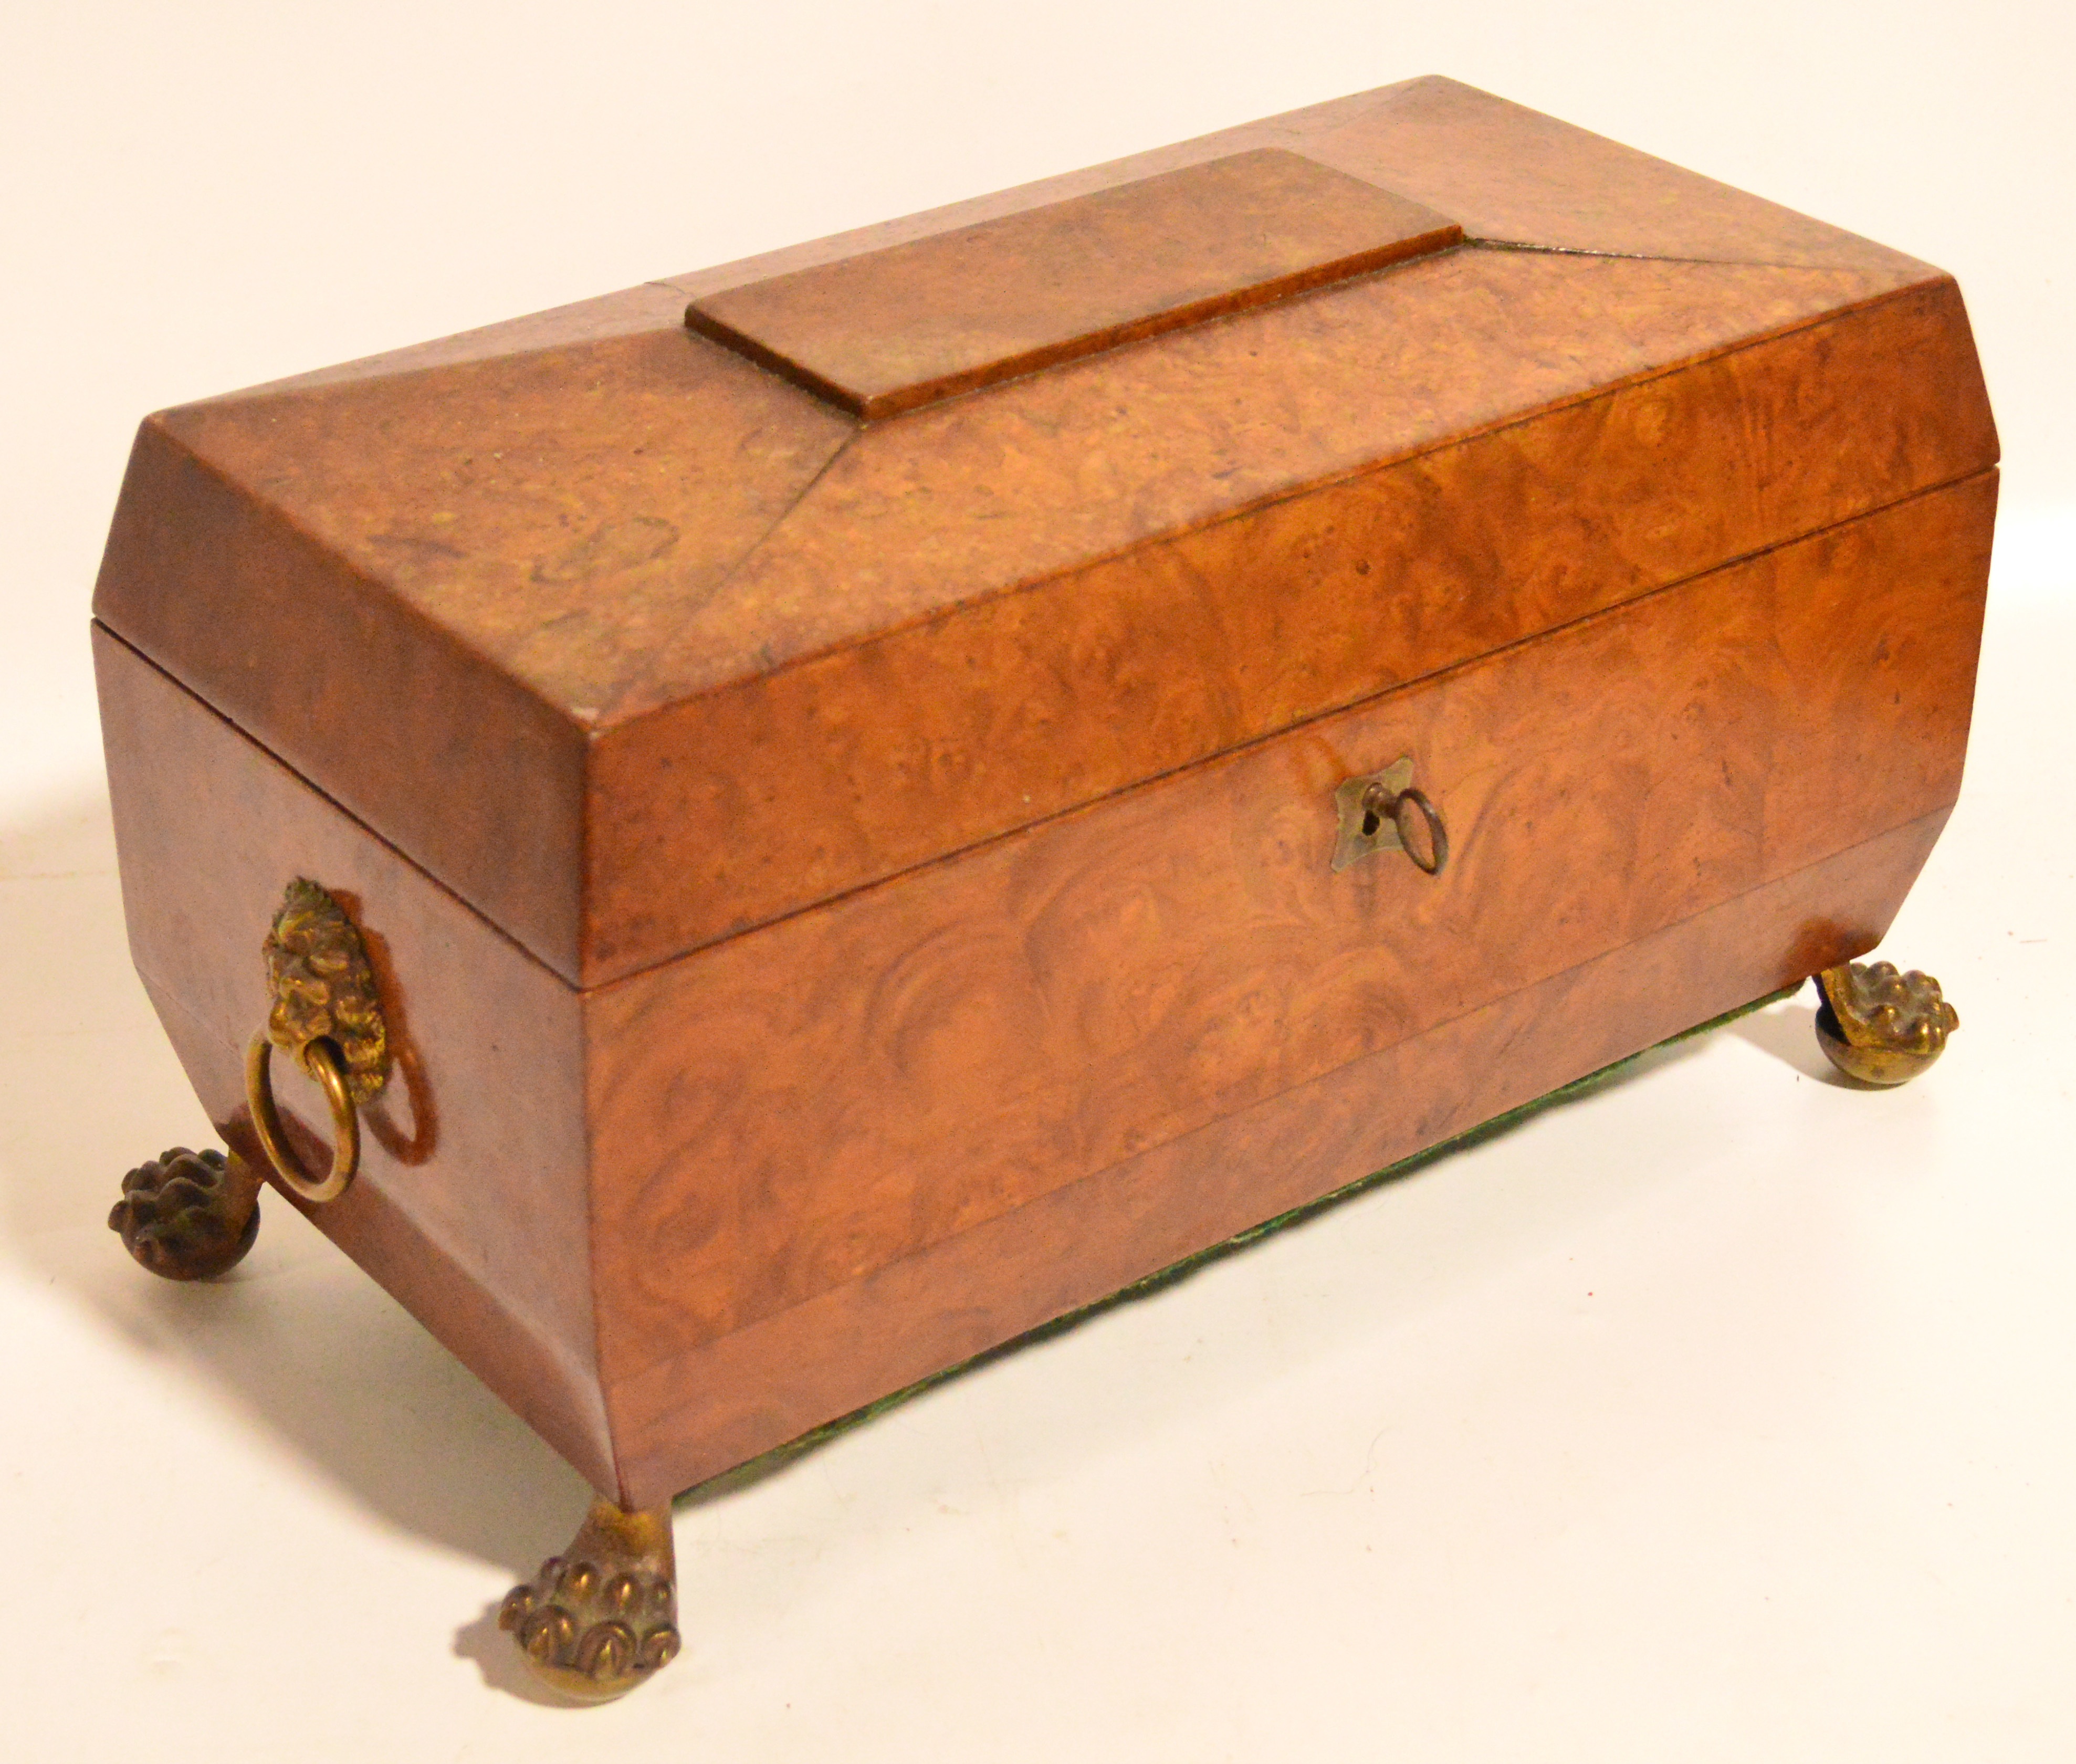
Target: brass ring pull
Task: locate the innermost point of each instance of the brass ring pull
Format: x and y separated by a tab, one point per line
319	1059
1438	835
326	1010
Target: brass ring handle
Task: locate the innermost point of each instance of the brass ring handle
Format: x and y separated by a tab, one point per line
1438	835
320	1060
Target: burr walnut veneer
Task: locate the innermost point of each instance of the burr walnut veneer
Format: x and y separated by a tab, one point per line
834	760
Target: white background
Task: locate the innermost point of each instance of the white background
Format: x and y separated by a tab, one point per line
1727	1414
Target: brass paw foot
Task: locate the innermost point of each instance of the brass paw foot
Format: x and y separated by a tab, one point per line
188	1215
1880	1026
602	1617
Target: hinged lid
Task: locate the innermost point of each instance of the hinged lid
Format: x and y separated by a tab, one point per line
633	643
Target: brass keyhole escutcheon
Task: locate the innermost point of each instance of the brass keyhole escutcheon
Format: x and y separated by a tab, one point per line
1383	811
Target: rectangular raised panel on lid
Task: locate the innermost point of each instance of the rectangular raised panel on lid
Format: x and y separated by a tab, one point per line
896	329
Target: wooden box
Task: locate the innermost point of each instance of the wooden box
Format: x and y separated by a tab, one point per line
839	761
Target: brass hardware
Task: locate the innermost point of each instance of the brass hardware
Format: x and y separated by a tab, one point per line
1880	1026
1438	835
602	1617
321	1064
188	1215
321	986
1375	812
326	1012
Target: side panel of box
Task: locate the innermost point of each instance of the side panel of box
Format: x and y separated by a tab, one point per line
470	1207
1737	777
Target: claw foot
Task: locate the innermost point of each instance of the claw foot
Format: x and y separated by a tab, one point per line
188	1215
602	1617
1880	1026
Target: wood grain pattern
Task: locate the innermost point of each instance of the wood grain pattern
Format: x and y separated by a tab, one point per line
381	634
719	809
399	722
1834	696
849	892
712	1407
1089	1010
471	1204
786	1112
597	553
736	806
920	519
911	324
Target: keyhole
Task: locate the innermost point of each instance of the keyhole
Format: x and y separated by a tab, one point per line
1372	820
